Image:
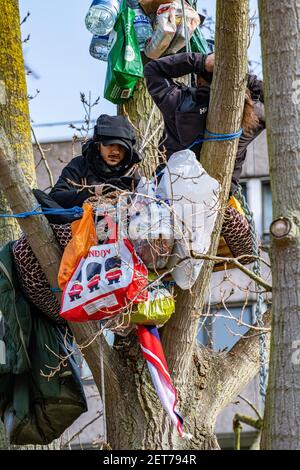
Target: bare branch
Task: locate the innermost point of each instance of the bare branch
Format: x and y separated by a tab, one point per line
98	415
43	158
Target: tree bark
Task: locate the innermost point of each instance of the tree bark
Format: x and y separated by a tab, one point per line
14	111
15	129
135	418
280	36
147	121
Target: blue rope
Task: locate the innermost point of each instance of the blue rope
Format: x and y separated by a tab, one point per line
217	137
76	211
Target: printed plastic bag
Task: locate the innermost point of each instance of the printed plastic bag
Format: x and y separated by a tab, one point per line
164	31
193	195
124	65
83	237
169	32
105	282
151	226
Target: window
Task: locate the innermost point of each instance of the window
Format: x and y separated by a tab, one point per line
266	209
221	329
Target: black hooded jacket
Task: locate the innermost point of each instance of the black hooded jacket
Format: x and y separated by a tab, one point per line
89	169
185	109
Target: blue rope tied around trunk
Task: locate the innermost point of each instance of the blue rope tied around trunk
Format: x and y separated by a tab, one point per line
212	137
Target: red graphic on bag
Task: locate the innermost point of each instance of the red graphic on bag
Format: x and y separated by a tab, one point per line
105	282
75	291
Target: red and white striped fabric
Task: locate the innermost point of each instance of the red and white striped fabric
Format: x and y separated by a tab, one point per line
153	353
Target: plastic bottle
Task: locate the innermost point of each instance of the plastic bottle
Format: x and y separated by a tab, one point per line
101	17
101	45
142	27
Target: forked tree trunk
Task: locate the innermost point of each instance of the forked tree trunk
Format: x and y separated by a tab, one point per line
280	34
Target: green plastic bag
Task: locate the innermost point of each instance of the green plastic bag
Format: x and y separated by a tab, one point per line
199	43
124	65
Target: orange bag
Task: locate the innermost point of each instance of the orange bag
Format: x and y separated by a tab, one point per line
83	237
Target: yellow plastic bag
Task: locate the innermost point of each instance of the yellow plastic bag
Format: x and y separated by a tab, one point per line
83	237
233	202
153	312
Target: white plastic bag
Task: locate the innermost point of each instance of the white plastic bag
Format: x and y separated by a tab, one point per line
164	31
192	21
193	196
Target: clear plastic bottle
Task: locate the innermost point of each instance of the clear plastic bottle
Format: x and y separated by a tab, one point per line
102	15
101	45
142	27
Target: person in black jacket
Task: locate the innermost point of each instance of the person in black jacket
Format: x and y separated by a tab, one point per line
185	109
107	163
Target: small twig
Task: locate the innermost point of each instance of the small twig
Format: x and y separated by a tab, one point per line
25	18
99	414
43	158
251	406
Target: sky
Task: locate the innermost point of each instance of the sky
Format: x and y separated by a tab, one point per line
58	53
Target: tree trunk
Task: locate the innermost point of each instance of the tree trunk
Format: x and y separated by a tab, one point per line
280	33
14	112
147	121
206	382
225	114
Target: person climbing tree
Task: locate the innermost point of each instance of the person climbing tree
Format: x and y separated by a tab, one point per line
185	108
107	162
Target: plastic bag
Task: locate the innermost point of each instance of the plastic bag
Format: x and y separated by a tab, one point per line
169	31
192	21
151	6
164	31
193	195
157	310
199	43
124	65
83	237
105	282
150	226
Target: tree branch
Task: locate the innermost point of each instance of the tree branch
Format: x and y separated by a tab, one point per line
258	280
43	158
20	198
239	366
